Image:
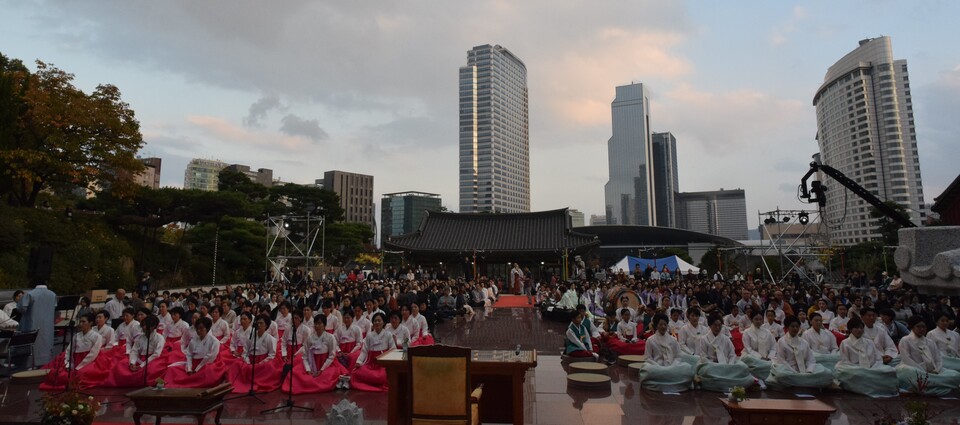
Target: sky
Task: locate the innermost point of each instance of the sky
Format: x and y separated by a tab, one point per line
302	87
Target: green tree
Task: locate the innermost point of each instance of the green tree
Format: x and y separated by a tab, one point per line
887	227
58	137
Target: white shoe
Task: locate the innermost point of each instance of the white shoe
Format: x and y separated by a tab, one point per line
763	385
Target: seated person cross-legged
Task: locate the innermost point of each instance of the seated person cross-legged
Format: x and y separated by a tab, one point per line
318	371
203	366
663	369
860	368
947	341
794	365
89	366
260	360
577	341
625	339
146	361
822	342
919	358
719	368
367	374
759	348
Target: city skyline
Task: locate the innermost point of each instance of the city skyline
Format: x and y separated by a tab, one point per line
368	87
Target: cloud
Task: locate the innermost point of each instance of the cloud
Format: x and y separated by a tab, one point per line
259	110
297	126
779	35
235	136
938	130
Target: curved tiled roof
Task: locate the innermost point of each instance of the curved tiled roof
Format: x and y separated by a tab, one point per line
514	232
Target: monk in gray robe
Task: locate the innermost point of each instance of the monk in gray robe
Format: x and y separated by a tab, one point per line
38	308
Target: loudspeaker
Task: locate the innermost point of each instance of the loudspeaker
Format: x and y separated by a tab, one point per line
41	264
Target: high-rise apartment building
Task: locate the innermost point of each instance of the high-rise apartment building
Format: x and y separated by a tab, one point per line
262	176
203	174
629	194
576	218
401	213
720	213
865	130
494	132
356	195
598	220
150	176
666	182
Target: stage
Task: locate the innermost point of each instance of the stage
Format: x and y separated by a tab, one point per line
548	400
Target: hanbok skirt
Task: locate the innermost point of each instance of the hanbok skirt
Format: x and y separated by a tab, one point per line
267	377
209	376
89	376
737	339
759	368
118	353
347	357
782	376
423	340
173	351
623	348
938	384
950	362
122	376
371	376
673	378
878	381
828	361
305	383
722	377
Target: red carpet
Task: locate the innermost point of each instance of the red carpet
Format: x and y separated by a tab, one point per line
512	301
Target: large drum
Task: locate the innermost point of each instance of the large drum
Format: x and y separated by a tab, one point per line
618	292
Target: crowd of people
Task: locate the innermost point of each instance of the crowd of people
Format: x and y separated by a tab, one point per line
716	334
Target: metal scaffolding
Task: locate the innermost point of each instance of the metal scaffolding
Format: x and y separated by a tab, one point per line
790	247
292	238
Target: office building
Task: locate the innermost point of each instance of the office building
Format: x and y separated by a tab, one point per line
356	195
150	176
202	174
666	182
720	213
865	129
494	132
598	220
262	176
576	218
401	213
629	195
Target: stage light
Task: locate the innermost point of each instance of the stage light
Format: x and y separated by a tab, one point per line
803	217
769	220
786	219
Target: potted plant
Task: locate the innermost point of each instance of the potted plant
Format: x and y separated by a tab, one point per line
68	408
160	384
737	394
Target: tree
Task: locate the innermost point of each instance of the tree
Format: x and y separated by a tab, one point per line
61	138
886	227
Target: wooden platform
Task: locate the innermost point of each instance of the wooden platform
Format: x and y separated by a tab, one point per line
588	381
584	367
196	402
625	360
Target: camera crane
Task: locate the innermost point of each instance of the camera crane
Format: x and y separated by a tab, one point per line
817	192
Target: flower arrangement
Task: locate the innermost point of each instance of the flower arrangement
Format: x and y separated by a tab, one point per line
68	408
738	394
160	383
913	413
920	385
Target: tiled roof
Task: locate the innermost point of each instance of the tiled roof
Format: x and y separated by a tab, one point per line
517	232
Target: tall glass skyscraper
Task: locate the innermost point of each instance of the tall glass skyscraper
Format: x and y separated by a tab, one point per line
629	194
494	132
865	129
401	213
666	182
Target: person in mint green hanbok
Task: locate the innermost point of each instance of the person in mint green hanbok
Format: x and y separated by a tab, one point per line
948	342
860	368
664	370
719	368
822	342
920	358
794	365
577	339
759	348
689	336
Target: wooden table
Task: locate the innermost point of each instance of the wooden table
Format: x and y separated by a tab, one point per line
195	402
501	372
778	412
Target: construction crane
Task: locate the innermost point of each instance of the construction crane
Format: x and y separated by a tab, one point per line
817	192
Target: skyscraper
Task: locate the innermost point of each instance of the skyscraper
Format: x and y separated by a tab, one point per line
401	213
629	195
666	182
494	132
203	174
719	212
865	129
356	195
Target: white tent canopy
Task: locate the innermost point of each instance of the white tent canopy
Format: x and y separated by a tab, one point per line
628	263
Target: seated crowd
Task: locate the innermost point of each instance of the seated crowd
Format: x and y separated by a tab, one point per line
717	334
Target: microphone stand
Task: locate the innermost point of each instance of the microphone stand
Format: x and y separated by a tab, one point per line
146	364
253	369
288	371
